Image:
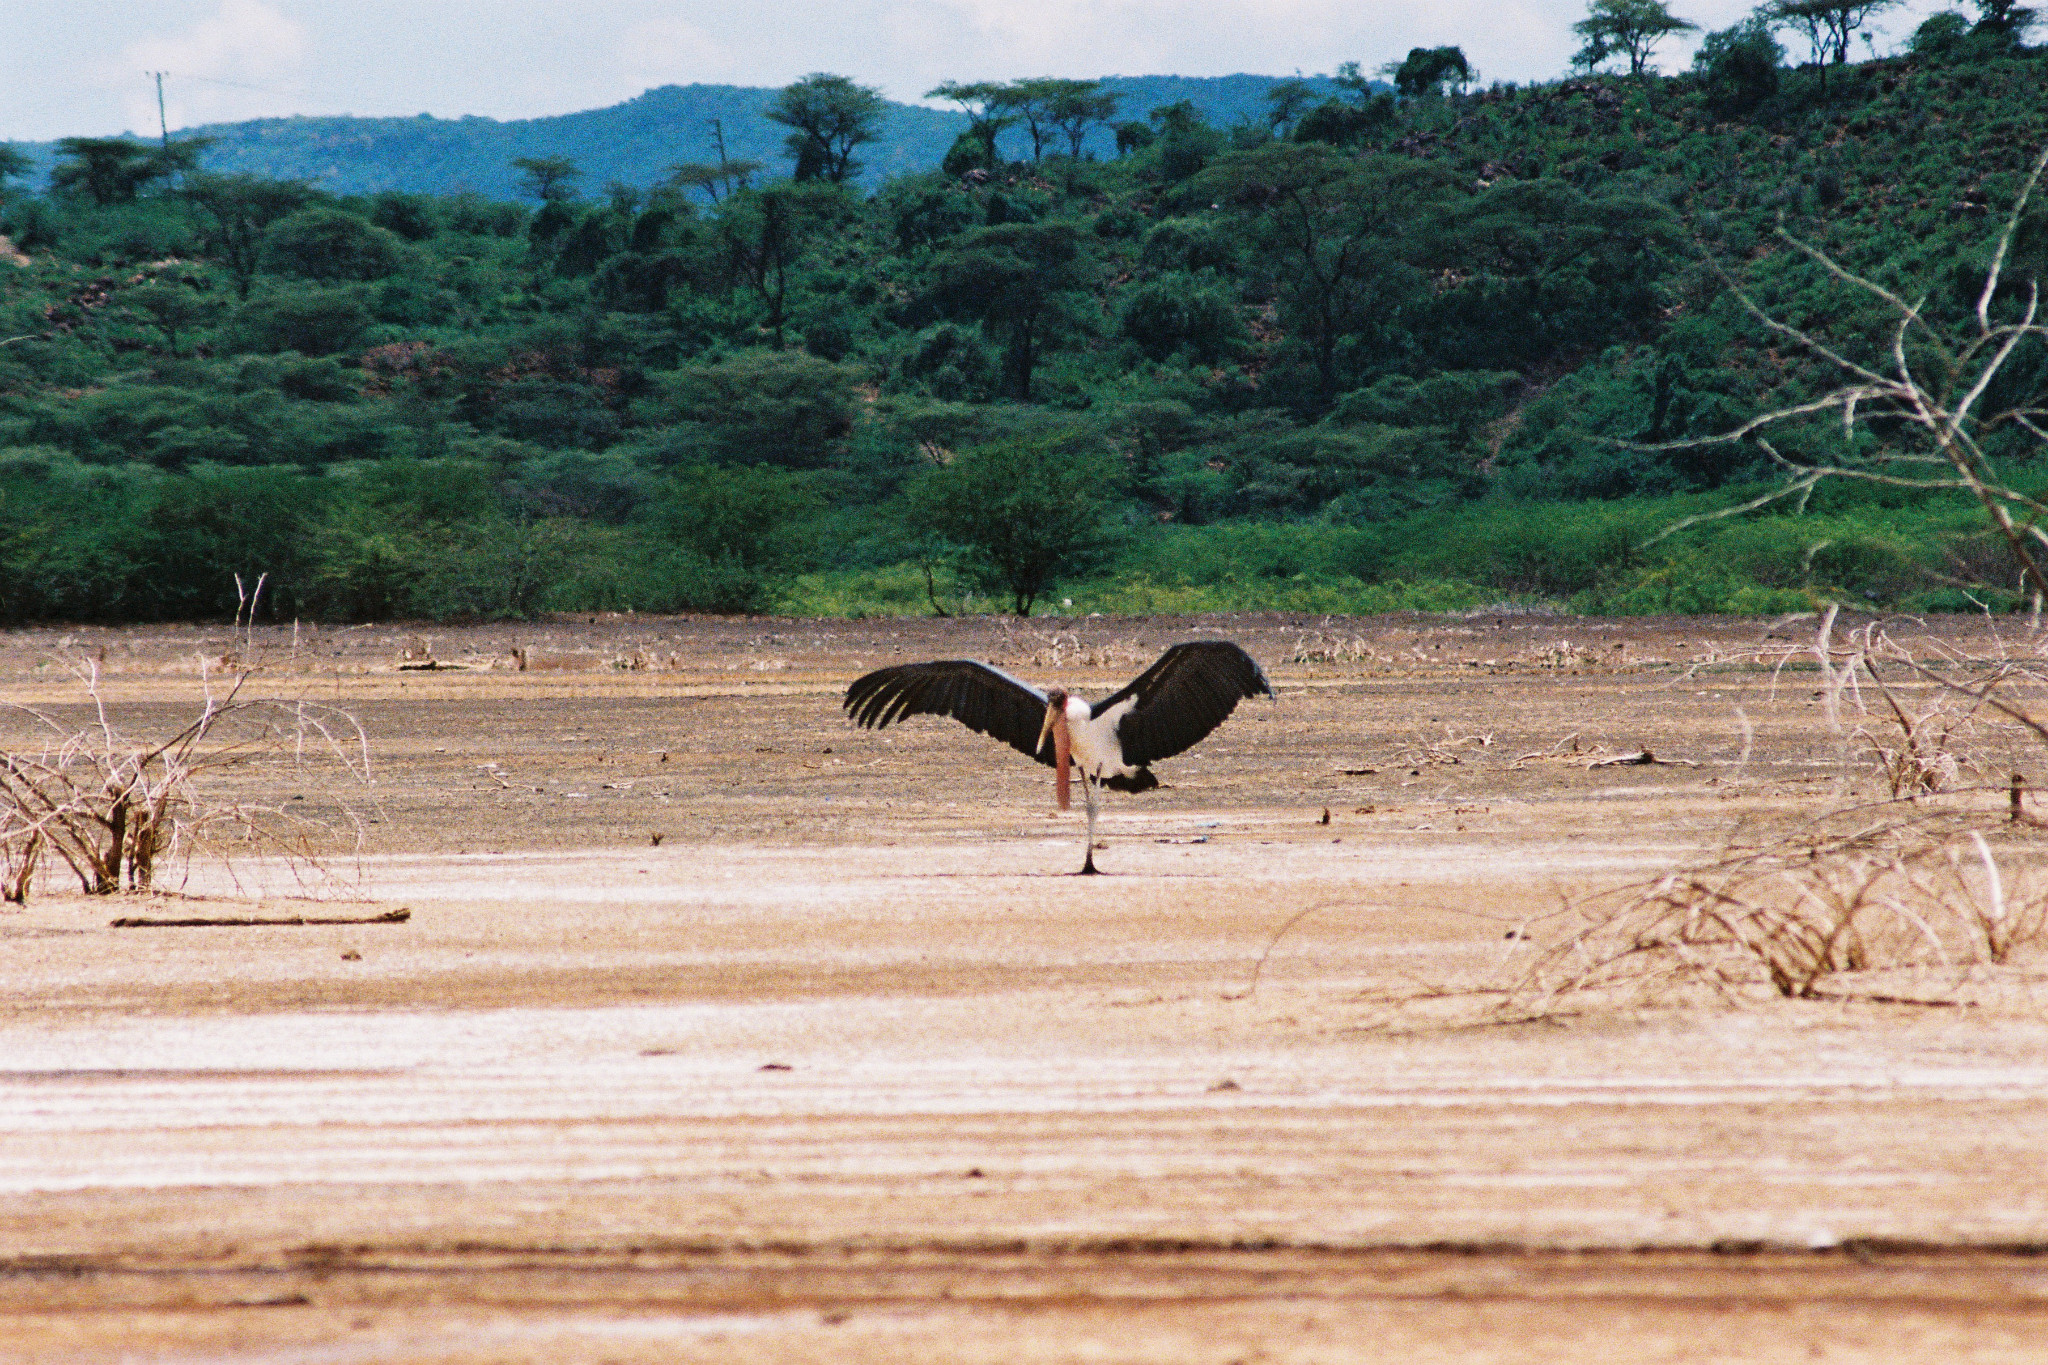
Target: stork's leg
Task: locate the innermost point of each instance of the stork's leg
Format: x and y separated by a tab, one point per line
1088	796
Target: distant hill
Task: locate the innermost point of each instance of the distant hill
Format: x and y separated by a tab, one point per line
634	142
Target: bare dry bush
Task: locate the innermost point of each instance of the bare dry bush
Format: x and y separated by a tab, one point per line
1925	749
1450	750
1922	737
117	810
1916	883
1931	410
1798	914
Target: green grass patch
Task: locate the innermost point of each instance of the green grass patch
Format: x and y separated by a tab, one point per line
1596	558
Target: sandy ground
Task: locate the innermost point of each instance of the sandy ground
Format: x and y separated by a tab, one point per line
843	1067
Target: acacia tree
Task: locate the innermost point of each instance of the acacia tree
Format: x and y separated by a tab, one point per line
1738	66
830	116
763	234
716	179
113	170
983	103
1024	283
1077	106
548	178
2004	16
1018	513
1031	102
1350	76
242	208
174	306
719	178
1342	122
1827	25
1430	71
1286	102
1630	28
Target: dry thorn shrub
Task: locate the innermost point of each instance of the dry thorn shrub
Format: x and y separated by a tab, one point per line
1798	917
1924	752
117	810
1448	751
1569	656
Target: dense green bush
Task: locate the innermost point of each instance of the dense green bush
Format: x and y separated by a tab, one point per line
330	246
1176	312
1738	67
1017	515
782	407
308	320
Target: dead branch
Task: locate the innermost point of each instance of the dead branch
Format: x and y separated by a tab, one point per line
1641	759
399	916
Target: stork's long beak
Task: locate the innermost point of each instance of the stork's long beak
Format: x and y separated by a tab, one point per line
1062	750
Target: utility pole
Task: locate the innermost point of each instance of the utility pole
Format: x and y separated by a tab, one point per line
162	124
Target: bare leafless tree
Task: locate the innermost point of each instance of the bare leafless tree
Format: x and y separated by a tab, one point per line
1924	403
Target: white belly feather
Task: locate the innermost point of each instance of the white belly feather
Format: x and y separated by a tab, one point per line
1096	750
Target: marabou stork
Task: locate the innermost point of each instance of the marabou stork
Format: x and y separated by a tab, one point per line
1168	708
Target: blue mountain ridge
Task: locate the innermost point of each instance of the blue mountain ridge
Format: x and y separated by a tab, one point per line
633	143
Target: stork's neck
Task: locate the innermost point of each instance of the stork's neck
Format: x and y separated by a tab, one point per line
1077	709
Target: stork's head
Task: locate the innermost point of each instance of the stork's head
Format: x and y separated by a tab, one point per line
1055	708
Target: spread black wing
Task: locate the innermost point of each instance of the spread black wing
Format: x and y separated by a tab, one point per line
983	699
1190	691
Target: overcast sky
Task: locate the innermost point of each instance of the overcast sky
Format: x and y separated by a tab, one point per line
77	67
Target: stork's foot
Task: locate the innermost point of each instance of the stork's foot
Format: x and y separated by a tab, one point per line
1088	869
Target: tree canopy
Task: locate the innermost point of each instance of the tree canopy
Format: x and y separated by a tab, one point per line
1430	71
1019	514
1625	28
549	178
113	170
829	117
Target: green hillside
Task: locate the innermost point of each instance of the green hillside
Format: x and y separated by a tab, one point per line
1426	353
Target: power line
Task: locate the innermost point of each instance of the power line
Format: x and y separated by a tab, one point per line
216	80
289	91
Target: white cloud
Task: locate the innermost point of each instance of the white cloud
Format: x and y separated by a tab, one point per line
225	66
673	52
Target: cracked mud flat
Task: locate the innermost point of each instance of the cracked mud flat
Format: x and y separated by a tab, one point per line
843	1068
